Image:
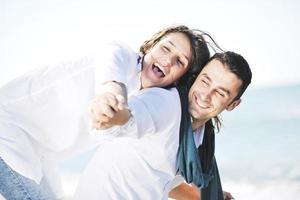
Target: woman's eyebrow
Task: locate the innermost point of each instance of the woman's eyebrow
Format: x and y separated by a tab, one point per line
186	57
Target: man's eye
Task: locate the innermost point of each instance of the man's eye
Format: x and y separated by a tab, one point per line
165	48
220	94
204	82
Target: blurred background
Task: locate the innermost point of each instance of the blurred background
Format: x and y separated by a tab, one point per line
257	149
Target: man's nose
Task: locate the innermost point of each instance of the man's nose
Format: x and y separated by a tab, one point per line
206	95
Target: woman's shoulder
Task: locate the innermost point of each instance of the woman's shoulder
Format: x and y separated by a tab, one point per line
167	98
120	48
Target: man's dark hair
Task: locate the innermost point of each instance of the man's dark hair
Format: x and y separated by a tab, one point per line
237	65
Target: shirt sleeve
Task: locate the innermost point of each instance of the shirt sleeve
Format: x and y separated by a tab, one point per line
115	62
153	110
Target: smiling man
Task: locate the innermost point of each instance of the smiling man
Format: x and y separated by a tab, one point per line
215	89
142	163
218	87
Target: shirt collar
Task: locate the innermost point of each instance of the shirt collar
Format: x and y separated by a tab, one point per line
198	135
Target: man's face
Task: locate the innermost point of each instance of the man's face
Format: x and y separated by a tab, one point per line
213	91
166	61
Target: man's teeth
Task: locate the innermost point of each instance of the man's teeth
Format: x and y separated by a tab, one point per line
202	106
200	103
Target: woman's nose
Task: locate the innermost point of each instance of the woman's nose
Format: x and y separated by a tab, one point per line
166	61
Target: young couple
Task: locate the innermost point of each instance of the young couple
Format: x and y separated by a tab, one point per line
146	144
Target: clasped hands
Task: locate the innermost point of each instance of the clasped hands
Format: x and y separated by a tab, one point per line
109	108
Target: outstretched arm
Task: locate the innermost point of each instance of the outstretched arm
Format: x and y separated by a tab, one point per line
116	68
150	111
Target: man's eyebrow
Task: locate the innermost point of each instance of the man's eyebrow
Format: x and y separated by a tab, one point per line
206	76
175	47
221	88
225	90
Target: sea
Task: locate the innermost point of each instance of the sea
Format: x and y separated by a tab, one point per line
257	148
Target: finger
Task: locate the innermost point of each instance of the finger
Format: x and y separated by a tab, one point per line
98	115
108	111
107	99
122	103
96	107
104	119
105	125
112	101
96	124
96	119
99	125
101	114
95	116
228	197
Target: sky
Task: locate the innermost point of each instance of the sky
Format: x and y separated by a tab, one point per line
35	33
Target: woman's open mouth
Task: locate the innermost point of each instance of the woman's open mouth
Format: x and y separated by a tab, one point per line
158	70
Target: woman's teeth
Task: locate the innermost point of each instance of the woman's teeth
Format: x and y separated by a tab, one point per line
158	71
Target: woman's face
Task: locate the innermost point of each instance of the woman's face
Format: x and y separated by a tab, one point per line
166	61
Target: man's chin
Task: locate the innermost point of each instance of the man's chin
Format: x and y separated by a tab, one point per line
194	114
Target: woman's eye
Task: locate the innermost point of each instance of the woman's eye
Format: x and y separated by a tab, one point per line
180	62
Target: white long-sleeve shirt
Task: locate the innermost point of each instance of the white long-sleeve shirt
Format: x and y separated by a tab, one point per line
44	114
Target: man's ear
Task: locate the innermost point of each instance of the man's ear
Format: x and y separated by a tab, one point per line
234	104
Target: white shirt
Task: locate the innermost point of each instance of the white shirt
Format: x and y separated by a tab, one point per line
45	114
142	163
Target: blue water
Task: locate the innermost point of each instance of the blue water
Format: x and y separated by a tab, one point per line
260	139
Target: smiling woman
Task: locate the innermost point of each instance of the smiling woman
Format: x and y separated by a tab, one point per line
172	52
167	61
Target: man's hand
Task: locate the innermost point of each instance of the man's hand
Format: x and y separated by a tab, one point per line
227	195
185	192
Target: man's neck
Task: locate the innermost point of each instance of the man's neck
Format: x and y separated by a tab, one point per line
197	123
